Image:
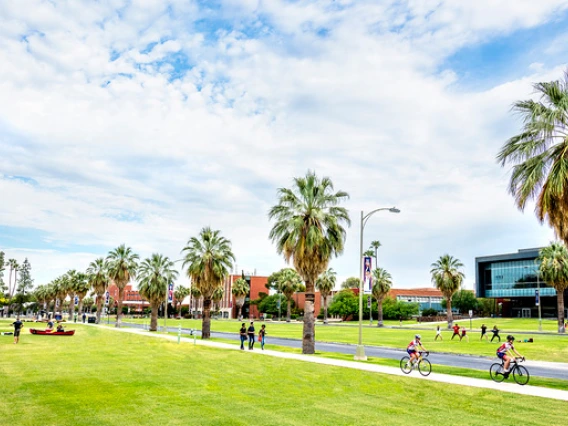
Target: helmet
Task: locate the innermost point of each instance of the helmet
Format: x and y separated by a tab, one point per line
417	336
509	337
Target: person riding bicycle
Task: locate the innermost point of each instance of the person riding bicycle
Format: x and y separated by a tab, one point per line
412	351
503	354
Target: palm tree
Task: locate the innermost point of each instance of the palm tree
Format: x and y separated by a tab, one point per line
325	285
538	155
289	283
60	289
81	287
554	269
72	278
447	278
41	294
217	296
122	266
98	279
180	293
196	296
209	259
375	246
381	287
154	275
240	290
309	231
351	282
369	253
14	267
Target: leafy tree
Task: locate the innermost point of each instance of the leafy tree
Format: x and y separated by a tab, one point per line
463	301
269	304
429	312
288	283
344	304
217	296
209	259
25	282
325	284
122	264
351	282
97	273
395	309
381	287
240	290
554	269
154	275
309	230
447	277
538	155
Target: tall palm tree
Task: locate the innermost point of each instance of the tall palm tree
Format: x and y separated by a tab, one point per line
538	155
180	293
288	283
447	277
381	287
309	230
98	279
325	285
240	290
14	267
369	253
72	278
122	266
154	275
81	287
375	246
554	269
60	285
41	295
209	259
195	297
217	296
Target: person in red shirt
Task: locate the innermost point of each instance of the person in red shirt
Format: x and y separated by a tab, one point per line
456	331
464	334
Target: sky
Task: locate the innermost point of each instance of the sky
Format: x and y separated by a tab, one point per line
143	121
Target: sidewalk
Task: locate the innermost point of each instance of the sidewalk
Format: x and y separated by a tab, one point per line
434	377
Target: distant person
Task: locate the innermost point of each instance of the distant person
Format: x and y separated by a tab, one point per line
483	332
49	325
243	334
60	328
261	335
456	329
250	332
18	325
84	317
464	334
438	333
495	332
75	318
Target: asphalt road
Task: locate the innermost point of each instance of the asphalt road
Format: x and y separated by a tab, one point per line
451	360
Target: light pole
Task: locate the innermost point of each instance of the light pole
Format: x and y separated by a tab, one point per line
360	350
539	297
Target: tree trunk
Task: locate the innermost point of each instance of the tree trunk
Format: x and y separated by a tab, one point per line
380	313
289	310
80	307
154	316
449	312
308	340
240	313
206	320
119	307
99	307
325	310
71	307
560	303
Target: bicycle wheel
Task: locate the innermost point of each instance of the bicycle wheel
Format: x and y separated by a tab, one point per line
424	367
405	365
521	375
495	373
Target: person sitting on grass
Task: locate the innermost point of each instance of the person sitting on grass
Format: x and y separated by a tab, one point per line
503	354
412	350
60	328
49	326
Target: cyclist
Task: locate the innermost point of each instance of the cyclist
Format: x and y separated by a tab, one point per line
411	349
503	353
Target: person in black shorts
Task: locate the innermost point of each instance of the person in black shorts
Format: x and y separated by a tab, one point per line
243	335
17	328
495	333
483	332
250	332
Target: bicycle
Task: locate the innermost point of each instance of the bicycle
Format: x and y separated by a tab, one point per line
423	365
520	373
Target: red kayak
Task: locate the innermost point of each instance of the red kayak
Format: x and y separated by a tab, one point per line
52	333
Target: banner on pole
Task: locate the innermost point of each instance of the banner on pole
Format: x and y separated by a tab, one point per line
368	301
76	300
107	298
170	293
367	270
536	298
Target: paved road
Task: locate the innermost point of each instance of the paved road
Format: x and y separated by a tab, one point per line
452	360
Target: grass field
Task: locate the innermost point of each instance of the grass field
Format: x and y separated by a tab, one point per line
546	347
102	377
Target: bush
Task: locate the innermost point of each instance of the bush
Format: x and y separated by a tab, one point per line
429	312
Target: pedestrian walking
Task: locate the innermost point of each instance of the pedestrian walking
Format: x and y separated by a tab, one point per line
243	334
84	317
18	325
438	333
484	332
495	332
456	329
250	332
75	318
261	335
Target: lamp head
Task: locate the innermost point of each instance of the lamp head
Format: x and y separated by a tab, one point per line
394	210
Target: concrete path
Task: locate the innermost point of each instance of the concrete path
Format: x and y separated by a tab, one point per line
434	377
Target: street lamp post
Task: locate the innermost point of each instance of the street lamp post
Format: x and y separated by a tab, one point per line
360	349
539	297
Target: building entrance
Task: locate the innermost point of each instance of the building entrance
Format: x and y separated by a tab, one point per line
526	312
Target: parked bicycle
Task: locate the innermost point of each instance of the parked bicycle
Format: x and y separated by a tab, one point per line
520	373
423	365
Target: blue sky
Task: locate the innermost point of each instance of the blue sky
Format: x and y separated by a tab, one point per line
140	122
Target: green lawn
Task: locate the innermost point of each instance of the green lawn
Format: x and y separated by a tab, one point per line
102	377
546	347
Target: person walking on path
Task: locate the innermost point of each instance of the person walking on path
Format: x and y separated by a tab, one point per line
261	335
464	334
250	332
243	334
75	318
84	317
438	333
456	331
18	325
495	333
484	332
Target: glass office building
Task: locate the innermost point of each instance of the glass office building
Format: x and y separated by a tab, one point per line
512	280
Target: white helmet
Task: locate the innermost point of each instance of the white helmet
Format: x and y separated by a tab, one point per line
417	336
